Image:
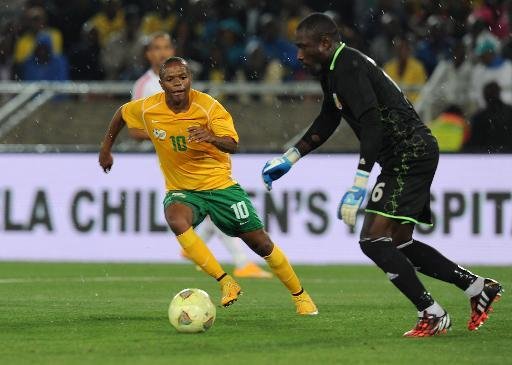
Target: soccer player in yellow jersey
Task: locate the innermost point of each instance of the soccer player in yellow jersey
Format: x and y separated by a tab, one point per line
193	137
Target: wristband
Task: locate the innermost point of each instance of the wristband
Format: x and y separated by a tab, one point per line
361	179
292	155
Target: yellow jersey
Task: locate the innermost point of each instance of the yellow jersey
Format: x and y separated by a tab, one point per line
185	165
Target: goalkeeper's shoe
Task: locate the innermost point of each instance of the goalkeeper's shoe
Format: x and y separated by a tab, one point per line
481	303
230	290
305	305
251	270
430	325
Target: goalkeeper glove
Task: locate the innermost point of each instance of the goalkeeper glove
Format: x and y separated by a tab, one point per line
278	166
353	198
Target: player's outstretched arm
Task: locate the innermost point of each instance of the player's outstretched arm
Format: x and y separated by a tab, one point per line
105	156
278	166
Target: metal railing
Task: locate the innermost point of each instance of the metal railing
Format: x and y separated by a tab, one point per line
30	96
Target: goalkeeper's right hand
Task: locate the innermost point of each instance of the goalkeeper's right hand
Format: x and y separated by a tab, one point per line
278	166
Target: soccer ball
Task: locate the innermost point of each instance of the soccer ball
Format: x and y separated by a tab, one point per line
192	311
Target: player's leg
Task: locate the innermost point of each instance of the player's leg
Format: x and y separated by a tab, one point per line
482	292
376	242
259	241
233	213
180	218
244	268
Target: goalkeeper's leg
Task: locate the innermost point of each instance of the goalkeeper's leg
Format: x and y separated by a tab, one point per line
482	292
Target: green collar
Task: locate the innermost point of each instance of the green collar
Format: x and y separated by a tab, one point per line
336	54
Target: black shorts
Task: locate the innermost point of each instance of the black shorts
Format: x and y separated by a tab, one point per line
402	190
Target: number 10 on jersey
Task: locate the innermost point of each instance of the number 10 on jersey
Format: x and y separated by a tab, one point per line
240	209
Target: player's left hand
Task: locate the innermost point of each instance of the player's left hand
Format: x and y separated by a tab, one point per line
353	198
200	134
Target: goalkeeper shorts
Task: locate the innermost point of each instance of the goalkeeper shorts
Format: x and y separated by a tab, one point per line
230	209
402	190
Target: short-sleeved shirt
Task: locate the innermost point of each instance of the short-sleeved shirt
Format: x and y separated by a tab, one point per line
185	165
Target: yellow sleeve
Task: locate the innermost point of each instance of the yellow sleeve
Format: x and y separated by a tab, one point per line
132	114
221	122
23	48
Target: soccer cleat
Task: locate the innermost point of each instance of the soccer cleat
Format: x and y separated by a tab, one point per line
430	325
230	290
251	270
305	305
481	303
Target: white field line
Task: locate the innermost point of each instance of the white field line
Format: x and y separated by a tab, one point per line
100	279
151	279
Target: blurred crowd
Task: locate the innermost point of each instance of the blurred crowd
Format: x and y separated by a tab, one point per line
453	58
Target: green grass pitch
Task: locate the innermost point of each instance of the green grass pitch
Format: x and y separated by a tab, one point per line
117	314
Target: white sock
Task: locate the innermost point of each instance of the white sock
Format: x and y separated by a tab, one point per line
475	288
435	309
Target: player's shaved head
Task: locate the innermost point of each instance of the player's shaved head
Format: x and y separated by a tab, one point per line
318	25
171	61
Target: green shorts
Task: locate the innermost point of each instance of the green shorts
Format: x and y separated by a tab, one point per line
230	209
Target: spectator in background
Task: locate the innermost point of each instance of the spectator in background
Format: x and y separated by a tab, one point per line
381	47
161	19
371	12
159	47
448	85
275	47
436	45
109	20
232	48
85	56
494	14
450	129
251	16
476	30
122	57
406	70
36	24
492	67
44	64
506	50
292	12
491	127
8	31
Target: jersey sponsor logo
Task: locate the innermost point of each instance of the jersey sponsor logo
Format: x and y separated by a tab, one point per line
337	101
159	134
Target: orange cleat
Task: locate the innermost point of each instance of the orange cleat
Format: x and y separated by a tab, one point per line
481	303
305	305
430	325
230	291
251	270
